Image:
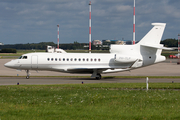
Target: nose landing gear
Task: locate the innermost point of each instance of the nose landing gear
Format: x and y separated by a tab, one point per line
28	75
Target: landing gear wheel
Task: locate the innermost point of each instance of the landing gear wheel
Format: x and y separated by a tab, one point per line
98	76
27	77
27	72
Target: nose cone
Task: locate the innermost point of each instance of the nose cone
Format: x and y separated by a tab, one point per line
10	64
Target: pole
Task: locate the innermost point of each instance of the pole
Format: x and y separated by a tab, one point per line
147	81
58	36
134	24
90	27
178	45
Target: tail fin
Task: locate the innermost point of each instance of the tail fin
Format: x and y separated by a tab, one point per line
150	46
150	40
153	37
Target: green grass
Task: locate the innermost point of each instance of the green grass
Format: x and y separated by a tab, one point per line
90	101
167	53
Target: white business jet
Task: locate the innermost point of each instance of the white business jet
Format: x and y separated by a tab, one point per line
121	57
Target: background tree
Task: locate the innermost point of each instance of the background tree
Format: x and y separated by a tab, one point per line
170	42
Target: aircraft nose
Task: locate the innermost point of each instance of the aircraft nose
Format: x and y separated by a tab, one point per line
8	64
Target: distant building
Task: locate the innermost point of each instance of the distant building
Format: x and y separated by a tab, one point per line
1	43
119	42
129	42
97	42
108	42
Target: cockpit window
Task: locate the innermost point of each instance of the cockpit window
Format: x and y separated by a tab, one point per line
24	57
20	57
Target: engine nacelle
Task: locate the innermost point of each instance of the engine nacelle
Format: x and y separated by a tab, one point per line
124	58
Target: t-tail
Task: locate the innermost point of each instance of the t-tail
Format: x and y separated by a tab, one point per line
150	47
146	52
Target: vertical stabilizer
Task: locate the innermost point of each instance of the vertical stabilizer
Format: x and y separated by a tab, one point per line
153	37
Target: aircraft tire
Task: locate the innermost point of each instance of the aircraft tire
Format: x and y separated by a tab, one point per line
27	77
99	76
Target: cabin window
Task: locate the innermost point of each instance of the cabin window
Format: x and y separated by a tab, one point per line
91	59
63	59
79	59
67	59
71	59
75	59
55	59
52	59
83	59
87	59
95	59
48	59
59	59
99	59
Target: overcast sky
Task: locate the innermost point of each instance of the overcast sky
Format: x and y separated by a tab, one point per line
34	21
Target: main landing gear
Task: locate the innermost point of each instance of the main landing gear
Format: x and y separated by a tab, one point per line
28	75
98	76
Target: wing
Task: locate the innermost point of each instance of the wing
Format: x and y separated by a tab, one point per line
100	69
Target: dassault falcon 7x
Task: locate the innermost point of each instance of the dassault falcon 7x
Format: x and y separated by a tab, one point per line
121	57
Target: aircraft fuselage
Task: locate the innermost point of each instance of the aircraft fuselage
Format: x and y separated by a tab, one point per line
68	62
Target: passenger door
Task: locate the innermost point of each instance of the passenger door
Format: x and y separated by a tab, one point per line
34	62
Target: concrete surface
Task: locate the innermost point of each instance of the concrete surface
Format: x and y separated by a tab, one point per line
167	68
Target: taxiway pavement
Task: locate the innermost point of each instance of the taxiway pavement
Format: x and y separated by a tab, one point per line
167	68
52	80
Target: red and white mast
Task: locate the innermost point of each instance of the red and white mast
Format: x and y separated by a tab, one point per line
58	36
90	27
134	25
178	46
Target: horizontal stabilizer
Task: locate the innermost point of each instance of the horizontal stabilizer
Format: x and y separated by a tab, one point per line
157	46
